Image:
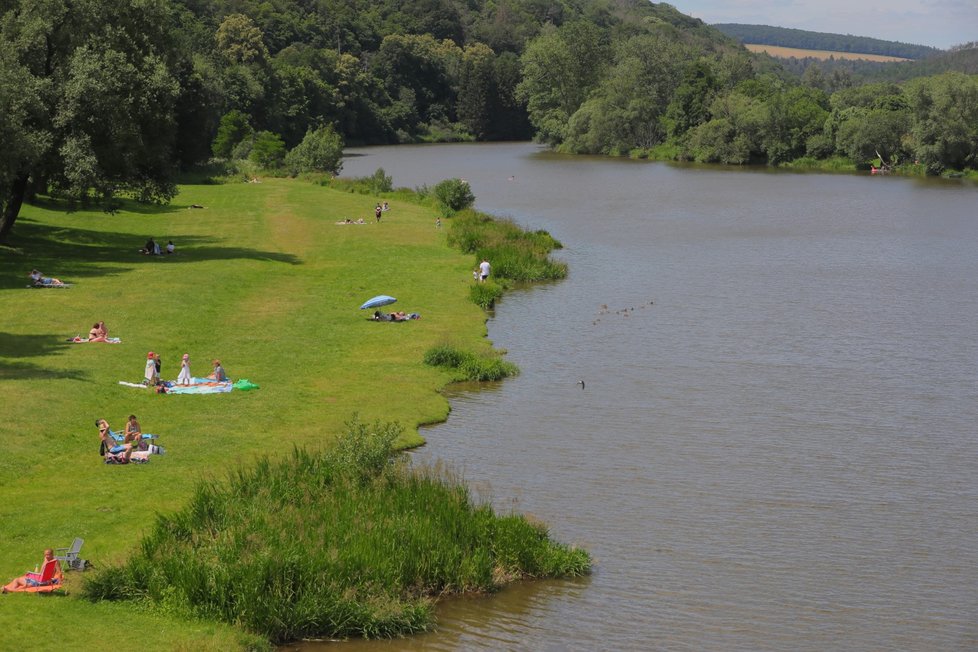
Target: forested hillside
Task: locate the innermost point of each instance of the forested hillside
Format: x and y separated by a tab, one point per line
113	97
860	71
799	38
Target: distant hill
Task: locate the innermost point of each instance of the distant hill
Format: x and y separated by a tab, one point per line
799	38
961	59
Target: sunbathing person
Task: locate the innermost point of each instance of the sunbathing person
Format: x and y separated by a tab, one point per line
134	434
96	334
108	444
40	280
50	569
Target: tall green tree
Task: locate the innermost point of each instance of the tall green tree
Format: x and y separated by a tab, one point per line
945	121
89	109
560	69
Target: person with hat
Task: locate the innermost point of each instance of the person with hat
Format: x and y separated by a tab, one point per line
151	375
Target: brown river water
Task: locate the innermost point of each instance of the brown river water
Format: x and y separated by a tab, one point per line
776	447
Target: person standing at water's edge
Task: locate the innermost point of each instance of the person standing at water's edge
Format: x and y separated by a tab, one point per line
483	270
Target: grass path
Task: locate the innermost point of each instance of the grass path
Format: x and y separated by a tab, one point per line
264	280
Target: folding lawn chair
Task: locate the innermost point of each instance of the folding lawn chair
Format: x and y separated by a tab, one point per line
69	556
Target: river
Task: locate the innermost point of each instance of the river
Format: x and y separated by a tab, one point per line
775	447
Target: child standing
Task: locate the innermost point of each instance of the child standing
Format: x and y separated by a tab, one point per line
151	374
185	378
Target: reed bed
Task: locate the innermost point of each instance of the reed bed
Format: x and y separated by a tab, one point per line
515	254
469	366
350	541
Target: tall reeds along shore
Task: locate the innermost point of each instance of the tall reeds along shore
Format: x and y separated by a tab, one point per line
350	541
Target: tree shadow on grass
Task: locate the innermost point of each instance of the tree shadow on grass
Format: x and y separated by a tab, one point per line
70	253
118	205
26	346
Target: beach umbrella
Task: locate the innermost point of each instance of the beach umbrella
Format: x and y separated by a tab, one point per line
378	301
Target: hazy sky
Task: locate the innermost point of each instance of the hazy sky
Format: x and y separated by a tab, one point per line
939	23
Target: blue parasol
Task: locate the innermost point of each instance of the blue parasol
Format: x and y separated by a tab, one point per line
378	301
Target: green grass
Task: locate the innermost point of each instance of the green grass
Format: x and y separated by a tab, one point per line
264	280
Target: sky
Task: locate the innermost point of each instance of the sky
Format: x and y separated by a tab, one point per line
938	23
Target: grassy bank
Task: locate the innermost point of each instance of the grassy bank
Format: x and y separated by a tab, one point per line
263	279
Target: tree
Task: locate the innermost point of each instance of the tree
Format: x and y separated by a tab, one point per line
560	69
320	151
95	102
268	150
945	121
233	129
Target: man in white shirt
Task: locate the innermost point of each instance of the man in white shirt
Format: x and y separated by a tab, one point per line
484	270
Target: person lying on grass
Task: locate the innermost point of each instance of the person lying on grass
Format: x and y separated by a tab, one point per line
32	579
40	280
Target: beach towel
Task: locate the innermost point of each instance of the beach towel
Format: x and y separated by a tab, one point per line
200	386
50	285
137	457
54	585
84	340
128	384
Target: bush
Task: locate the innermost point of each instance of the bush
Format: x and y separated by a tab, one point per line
515	254
485	294
377	183
268	150
320	151
470	366
233	129
453	195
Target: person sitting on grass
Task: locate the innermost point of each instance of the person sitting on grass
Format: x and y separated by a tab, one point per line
133	433
97	334
218	374
108	445
50	569
40	280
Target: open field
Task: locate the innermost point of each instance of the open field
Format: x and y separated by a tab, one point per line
798	53
263	279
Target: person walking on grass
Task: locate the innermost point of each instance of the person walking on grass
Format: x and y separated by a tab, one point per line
483	270
377	212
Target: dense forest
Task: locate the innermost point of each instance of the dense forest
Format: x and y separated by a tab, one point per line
799	38
109	98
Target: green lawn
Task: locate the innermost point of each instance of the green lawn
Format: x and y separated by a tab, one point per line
264	280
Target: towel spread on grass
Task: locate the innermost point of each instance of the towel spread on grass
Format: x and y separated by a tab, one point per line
50	285
84	340
199	386
55	585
